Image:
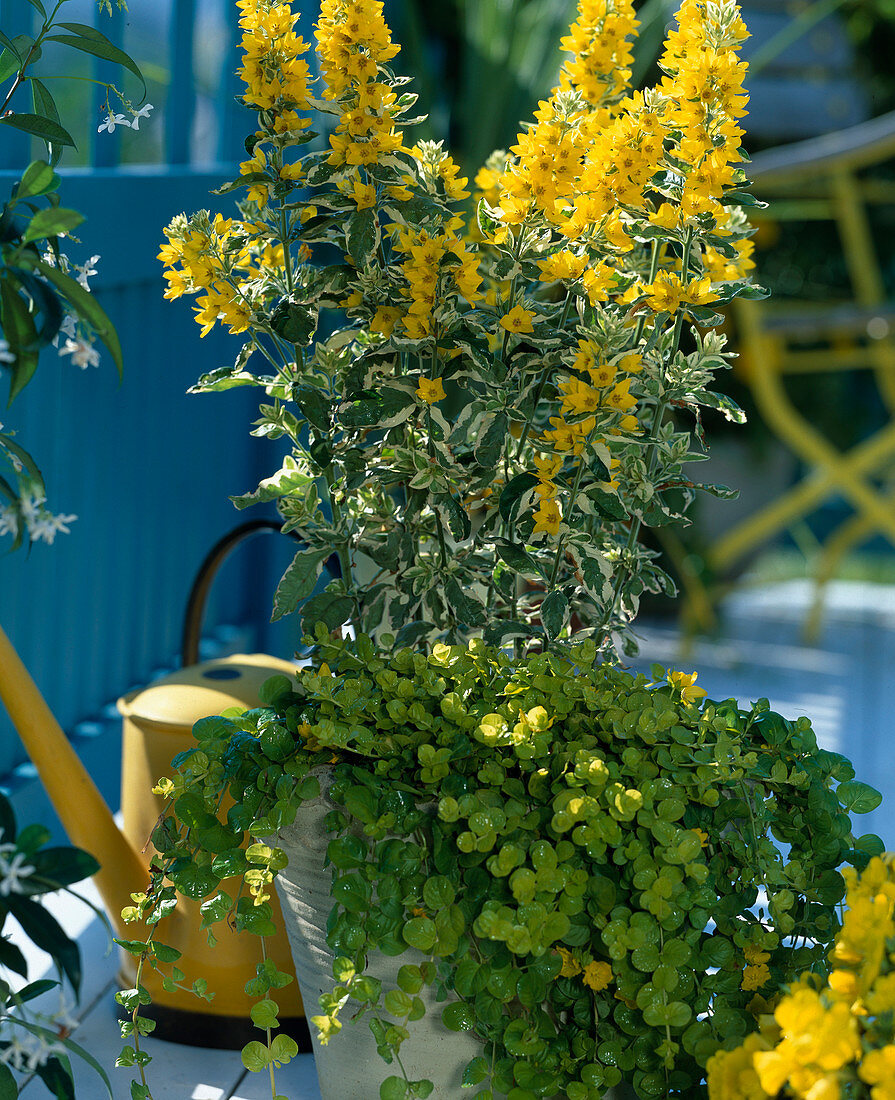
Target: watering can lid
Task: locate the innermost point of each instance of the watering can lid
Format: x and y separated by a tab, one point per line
183	697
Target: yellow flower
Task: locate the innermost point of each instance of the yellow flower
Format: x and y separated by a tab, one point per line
731	1074
548	517
570	965
597	975
431	390
665	294
364	195
878	1069
686	684
547	468
518	320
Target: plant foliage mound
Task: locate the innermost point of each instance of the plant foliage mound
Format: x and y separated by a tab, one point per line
614	875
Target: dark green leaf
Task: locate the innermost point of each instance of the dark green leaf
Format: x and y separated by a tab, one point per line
606	504
518	559
9	1090
12	957
871	844
92	41
295	322
458	1016
88	308
64	866
51	222
513	493
497	632
47	129
455	515
298	581
490	446
362	236
19	331
328	608
9	64
858	797
554	612
314	404
467	608
411	633
46	933
385	409
35	989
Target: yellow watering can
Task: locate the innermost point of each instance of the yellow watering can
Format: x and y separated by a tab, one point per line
158	722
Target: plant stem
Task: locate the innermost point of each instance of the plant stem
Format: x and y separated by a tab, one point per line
526	431
273	1083
336	509
658	417
287	256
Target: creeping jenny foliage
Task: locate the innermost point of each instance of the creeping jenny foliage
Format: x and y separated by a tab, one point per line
586	864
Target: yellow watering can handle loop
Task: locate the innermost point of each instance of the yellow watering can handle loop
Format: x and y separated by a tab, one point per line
214	559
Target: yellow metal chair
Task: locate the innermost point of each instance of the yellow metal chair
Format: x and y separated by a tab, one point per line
821	179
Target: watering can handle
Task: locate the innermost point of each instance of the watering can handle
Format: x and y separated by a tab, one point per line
198	598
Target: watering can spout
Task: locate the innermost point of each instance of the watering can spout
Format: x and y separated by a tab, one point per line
81	808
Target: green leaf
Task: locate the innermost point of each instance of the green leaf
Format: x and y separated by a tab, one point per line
362	236
19	330
455	515
476	1072
328	608
554	612
871	844
490	446
35	989
295	322
225	378
420	932
255	1056
314	404
605	504
518	559
37	179
458	1016
90	40
288	479
496	632
47	129
264	1014
513	493
9	1090
298	582
45	932
393	1088
857	797
52	222
88	308
468	609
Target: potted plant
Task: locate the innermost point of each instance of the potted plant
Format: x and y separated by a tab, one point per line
480	822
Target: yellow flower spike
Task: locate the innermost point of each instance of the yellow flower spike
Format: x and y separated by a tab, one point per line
665	294
518	320
685	683
431	390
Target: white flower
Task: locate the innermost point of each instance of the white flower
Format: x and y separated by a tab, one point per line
9	521
6	356
83	353
49	258
13	871
142	113
31	508
85	271
111	122
45	528
69	327
30	1051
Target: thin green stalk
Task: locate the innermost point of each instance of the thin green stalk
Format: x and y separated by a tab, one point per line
336	509
658	417
287	255
576	485
270	1065
526	431
653	272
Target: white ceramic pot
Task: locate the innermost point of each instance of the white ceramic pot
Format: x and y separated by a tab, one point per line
348	1066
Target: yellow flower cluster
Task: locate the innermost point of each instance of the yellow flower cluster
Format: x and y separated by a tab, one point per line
353	42
821	1037
596	975
601	51
273	69
201	257
428	277
704	88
